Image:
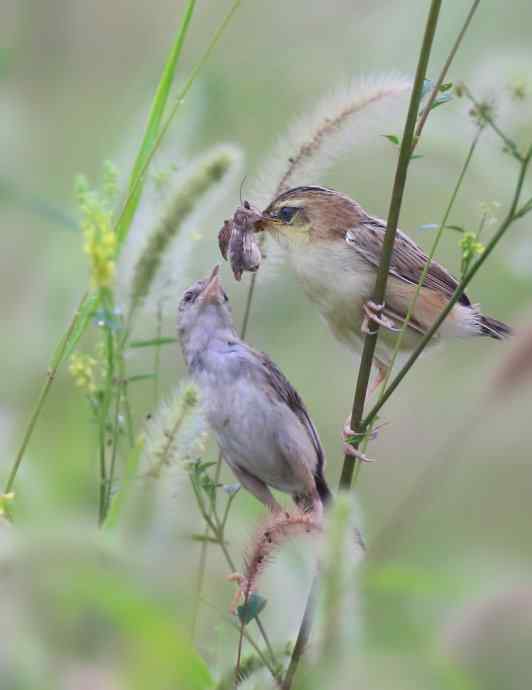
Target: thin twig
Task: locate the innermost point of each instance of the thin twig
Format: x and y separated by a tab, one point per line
378	296
370	340
217	527
485	116
434	93
432	252
50	377
157	353
513	214
248	638
412	305
413	497
114	453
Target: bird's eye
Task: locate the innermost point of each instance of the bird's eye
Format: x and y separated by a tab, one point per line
287	213
188	297
226	298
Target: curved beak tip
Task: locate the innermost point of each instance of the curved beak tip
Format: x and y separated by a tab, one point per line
213	289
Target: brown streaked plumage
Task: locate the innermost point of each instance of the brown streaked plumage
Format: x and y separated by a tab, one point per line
335	249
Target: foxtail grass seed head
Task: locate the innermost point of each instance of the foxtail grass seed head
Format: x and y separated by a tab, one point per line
270	536
176	432
346	118
190	195
342	123
342	554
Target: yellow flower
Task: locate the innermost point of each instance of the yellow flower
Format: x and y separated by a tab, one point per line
81	369
100	239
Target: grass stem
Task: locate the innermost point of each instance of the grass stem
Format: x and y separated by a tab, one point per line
50	378
370	340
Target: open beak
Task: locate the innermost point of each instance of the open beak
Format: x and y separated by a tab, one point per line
212	292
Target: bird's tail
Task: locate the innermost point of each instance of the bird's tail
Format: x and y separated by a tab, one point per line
493	328
322	488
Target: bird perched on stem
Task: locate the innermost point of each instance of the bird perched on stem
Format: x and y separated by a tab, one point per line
261	425
335	248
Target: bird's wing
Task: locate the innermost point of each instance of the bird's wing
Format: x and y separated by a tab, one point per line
408	260
280	387
406	267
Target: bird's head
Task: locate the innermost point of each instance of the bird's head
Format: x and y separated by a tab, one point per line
203	313
304	215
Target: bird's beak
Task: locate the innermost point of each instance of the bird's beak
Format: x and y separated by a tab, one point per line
262	223
212	292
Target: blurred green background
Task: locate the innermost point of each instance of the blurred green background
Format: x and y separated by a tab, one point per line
76	79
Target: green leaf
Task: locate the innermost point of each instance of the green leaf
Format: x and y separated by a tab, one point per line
152	127
251	609
392	137
436	226
446	87
119	499
204	538
154	342
141	377
440	100
202	466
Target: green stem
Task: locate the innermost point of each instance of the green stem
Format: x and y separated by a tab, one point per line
412	305
248	638
110	353
378	297
116	441
370	340
510	145
52	371
434	93
157	353
431	255
102	493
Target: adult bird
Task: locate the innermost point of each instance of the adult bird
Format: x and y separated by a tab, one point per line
335	247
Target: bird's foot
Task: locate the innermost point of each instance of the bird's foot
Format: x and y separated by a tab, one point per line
348	435
373	314
239	595
355	453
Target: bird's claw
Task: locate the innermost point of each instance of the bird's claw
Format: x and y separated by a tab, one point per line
371	435
373	313
355	453
348	433
241	581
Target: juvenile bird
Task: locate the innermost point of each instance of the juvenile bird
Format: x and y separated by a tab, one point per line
262	427
335	248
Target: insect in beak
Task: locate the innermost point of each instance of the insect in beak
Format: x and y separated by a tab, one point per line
212	292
